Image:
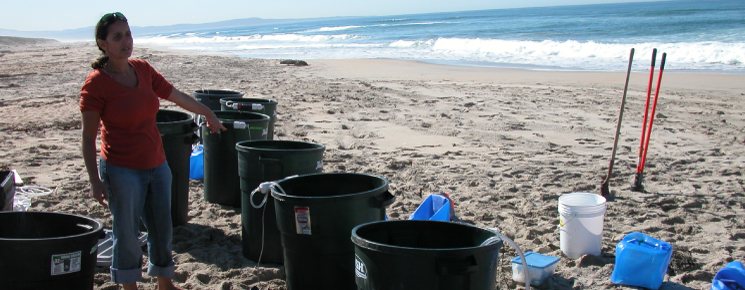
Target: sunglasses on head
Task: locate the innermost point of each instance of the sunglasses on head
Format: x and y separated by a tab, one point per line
108	17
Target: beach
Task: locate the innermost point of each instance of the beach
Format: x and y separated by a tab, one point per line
503	143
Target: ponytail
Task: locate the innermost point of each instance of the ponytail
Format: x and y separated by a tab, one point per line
100	62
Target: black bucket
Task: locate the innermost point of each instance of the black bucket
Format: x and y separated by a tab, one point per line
7	190
315	215
177	133
265	106
211	98
417	254
44	250
221	181
269	160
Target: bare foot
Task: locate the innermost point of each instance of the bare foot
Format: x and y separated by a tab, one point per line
166	284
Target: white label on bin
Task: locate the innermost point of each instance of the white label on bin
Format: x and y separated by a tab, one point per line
302	220
66	263
319	165
359	268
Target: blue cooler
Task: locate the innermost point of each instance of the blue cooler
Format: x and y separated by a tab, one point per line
641	261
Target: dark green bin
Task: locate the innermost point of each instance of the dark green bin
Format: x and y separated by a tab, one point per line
177	134
265	106
315	215
269	160
418	254
211	98
7	190
221	181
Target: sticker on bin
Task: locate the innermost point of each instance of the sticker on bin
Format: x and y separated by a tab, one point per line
540	267
359	268
302	220
66	263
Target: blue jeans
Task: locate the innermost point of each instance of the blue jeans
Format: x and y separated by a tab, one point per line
134	195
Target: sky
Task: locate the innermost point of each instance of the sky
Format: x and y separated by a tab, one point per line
55	15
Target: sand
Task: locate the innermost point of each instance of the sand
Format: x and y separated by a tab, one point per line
504	143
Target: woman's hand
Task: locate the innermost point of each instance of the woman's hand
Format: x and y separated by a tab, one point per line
98	192
187	102
213	123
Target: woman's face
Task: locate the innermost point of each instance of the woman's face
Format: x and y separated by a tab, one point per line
118	44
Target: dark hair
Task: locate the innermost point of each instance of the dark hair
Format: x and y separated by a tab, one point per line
102	31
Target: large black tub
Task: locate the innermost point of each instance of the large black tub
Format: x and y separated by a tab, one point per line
45	250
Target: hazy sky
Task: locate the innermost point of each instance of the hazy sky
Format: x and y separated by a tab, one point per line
38	15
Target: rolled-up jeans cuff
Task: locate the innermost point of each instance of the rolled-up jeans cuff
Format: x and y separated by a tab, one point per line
162	272
126	276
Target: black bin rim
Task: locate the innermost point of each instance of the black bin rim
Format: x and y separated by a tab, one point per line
412	251
256	145
217	92
281	196
248	100
243	116
97	226
190	117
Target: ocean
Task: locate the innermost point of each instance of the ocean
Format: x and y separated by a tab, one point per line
698	36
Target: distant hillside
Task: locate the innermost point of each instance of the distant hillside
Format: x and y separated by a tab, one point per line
86	33
70	34
12	40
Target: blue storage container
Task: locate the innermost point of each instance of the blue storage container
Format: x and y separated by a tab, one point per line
436	207
196	162
641	261
731	277
540	267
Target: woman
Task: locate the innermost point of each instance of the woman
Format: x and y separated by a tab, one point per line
122	95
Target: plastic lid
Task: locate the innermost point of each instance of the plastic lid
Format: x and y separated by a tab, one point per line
536	260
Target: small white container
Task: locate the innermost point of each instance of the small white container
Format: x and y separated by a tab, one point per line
540	267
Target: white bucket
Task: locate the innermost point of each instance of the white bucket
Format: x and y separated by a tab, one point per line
581	224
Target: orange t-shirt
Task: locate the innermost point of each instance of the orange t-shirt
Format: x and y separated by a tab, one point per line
129	134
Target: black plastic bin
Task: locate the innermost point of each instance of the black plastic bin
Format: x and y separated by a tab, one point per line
211	98
316	214
221	181
265	106
177	131
44	250
269	160
417	254
8	191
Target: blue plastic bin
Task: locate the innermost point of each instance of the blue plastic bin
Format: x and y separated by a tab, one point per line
196	162
540	267
731	277
641	261
435	208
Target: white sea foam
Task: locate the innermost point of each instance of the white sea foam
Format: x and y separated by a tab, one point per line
592	55
569	54
405	43
337	28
